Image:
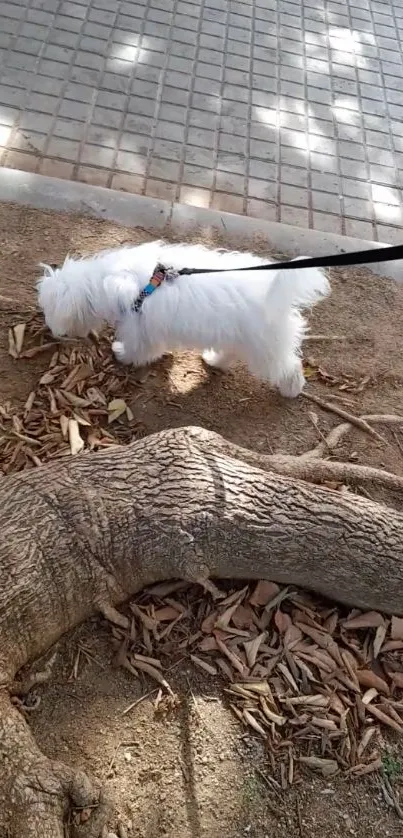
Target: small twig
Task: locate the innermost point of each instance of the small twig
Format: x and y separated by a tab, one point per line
112	762
271	783
398	442
391	796
138	701
299	817
317	338
349	417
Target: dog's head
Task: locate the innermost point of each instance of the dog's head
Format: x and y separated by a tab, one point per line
65	298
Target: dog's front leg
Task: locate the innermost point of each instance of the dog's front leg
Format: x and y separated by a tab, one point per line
119	351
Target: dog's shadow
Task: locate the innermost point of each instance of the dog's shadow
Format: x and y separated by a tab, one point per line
181	390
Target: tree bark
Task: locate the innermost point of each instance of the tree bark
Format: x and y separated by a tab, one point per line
37	794
91	531
183	503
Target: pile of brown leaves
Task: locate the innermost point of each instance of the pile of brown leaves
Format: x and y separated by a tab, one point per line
78	403
312	680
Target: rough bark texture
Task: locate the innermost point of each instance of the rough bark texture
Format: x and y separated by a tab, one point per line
183	503
36	793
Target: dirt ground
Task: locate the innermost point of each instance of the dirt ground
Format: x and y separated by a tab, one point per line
194	772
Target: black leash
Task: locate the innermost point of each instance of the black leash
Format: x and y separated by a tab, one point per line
358	257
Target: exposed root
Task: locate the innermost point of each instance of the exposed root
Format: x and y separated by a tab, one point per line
113	616
353	420
336	435
315	470
323	471
40	797
35	679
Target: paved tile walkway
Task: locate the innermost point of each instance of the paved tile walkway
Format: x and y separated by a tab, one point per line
290	110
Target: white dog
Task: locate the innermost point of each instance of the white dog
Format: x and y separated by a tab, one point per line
252	317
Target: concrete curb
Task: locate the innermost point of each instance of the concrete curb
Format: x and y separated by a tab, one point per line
153	214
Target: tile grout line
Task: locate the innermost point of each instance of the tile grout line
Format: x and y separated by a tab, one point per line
306	115
189	107
21	109
92	104
124	112
335	122
158	102
218	131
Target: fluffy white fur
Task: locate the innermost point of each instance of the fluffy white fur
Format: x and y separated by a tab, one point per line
254	317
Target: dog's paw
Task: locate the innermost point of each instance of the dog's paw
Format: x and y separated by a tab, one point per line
215	359
292	385
118	349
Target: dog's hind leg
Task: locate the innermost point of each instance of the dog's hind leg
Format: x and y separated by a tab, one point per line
283	371
292	382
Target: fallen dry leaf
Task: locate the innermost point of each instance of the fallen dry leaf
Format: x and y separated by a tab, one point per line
252	648
397	628
251	721
379	640
397	678
116	409
371	619
19	332
282	621
12	349
207	667
383	717
367	678
263	593
327	767
75	440
166	614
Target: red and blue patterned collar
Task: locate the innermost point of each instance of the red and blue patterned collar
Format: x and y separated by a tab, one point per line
160	275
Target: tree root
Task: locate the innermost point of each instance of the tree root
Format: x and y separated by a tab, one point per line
353	420
307	467
39	796
183	504
336	435
34	679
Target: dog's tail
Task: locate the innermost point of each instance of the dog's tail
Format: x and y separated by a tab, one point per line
299	288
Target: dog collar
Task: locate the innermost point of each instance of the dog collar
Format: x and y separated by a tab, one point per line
160	275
